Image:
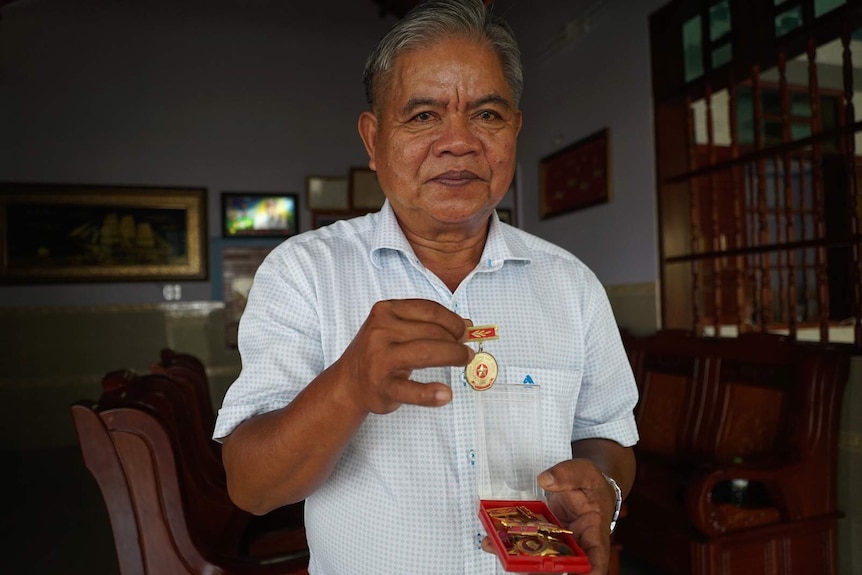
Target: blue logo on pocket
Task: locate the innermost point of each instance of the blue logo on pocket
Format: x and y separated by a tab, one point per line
529	380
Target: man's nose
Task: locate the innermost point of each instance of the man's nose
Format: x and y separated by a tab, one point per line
457	137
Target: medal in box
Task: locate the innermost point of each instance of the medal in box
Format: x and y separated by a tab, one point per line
526	536
529	539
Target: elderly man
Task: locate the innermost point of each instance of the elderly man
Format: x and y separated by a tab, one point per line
353	393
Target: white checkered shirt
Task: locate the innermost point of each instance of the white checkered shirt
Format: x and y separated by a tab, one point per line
403	498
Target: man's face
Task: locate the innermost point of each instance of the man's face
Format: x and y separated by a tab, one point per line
443	141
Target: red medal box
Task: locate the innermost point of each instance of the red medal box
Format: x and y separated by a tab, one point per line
529	539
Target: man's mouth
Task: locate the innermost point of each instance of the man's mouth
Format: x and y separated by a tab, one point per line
456	177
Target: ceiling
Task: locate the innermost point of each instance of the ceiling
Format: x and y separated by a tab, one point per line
398	8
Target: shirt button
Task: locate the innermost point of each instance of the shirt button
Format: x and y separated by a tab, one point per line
479	537
471	456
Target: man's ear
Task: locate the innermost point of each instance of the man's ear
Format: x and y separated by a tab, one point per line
368	133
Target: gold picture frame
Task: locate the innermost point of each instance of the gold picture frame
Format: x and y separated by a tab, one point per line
366	195
88	233
327	193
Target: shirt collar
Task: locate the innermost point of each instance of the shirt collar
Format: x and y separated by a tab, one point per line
503	244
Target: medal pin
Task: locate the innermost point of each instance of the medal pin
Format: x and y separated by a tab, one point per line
481	372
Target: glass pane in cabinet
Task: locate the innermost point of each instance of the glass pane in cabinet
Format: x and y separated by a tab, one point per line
692	46
719	20
821	7
788	21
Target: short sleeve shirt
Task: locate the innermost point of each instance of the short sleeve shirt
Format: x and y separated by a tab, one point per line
403	496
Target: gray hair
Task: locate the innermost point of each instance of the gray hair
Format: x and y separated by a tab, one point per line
434	20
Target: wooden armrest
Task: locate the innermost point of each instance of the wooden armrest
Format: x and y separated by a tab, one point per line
714	518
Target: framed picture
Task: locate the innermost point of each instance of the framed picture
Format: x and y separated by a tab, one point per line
75	233
366	195
324	218
327	193
576	177
238	266
259	215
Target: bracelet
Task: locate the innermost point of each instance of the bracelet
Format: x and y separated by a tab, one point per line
619	501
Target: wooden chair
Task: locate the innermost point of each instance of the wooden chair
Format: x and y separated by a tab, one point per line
761	409
201	469
190	372
190	375
133	458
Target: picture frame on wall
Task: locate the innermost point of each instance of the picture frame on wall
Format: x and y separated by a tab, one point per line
259	215
327	193
53	233
238	265
366	195
576	177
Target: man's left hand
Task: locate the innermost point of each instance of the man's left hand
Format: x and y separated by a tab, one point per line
583	501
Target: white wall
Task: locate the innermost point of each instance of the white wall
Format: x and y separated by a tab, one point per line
600	78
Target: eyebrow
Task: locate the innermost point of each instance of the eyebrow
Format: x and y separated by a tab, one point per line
414	103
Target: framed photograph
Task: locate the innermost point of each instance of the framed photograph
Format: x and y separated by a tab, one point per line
82	233
324	218
327	193
259	215
576	177
238	268
366	195
505	215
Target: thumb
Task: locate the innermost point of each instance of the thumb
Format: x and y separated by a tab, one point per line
569	475
556	478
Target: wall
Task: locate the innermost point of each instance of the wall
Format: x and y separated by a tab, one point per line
598	78
53	356
225	94
256	96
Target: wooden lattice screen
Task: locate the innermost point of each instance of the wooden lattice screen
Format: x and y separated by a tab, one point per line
758	173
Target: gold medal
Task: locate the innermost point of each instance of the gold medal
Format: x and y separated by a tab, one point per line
533	546
481	372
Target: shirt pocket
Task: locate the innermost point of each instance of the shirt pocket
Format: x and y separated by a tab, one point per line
560	390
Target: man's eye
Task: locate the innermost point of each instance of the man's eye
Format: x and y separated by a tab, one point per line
422	117
488	115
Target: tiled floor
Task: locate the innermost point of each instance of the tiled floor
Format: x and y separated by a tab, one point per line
53	520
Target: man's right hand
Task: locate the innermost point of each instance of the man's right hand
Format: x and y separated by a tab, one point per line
397	337
268	458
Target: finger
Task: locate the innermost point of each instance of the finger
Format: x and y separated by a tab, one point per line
582	515
570	475
407	391
428	311
597	553
488	546
424	353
